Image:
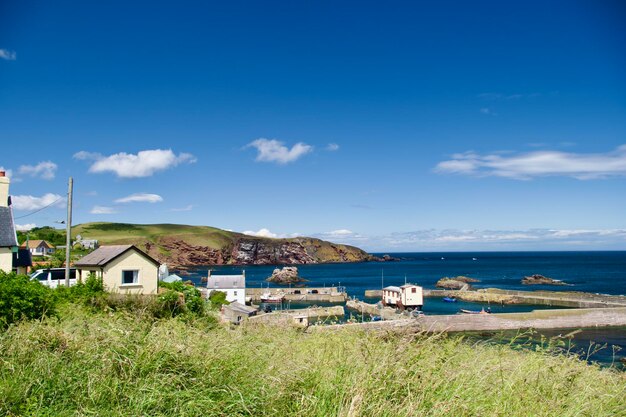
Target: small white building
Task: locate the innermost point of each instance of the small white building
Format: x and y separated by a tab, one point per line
39	247
406	296
233	285
122	268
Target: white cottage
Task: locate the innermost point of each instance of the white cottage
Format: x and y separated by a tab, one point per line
123	269
233	285
406	296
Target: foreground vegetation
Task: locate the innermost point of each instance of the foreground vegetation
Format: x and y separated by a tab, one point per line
90	353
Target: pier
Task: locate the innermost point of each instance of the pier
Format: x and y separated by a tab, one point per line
545	298
538	319
307	294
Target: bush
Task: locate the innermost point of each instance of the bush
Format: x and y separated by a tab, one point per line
218	299
191	302
23	299
84	293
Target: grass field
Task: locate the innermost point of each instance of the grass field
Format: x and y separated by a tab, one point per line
119	364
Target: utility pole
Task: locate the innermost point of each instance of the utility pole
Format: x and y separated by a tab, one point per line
68	232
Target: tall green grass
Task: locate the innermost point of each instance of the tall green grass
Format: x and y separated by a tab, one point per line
128	364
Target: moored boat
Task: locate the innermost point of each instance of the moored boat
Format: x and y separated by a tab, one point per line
482	311
268	297
449	299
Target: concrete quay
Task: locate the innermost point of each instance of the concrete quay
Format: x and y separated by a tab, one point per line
546	298
309	294
538	319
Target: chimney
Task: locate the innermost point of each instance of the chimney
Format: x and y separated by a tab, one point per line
4	189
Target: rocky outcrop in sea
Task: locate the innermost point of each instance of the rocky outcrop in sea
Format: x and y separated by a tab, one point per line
287	275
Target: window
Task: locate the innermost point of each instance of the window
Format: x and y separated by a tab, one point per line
413	290
130	277
235	293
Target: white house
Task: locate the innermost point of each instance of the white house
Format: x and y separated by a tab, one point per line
8	237
39	247
233	285
86	243
122	268
406	296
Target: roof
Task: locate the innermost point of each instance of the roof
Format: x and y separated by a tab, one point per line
409	286
105	254
392	288
7	228
235	306
22	258
226	281
32	244
172	278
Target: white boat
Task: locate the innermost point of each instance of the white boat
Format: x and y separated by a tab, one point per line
268	297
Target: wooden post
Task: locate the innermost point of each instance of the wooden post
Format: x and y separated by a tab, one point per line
68	232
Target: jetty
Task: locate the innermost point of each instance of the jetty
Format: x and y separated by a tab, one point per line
571	299
537	319
307	294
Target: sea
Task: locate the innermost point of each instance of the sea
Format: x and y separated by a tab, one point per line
602	272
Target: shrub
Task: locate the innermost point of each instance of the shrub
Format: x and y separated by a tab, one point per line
23	299
192	299
217	299
82	292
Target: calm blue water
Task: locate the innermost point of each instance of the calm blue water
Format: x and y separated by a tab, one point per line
596	272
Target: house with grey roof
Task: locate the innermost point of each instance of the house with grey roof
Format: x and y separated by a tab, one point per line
8	237
233	285
123	269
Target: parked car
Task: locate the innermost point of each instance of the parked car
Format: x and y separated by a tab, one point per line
53	277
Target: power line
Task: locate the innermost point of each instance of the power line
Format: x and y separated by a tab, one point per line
38	210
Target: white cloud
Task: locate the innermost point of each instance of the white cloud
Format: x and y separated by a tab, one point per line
45	170
25	227
488	111
332	147
84	155
103	210
140	198
8	55
186	208
142	164
525	166
272	150
28	202
341	232
261	233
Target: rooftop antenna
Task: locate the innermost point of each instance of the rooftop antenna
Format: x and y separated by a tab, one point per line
382	278
404	279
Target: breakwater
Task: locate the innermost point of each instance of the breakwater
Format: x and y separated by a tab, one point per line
545	298
308	294
538	319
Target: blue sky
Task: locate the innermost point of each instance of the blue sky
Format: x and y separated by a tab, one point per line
403	126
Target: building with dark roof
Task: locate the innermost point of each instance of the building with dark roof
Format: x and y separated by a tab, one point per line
8	237
122	268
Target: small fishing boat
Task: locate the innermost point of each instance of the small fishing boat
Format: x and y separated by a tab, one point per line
449	299
268	297
482	311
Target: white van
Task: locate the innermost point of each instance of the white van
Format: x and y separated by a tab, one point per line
53	277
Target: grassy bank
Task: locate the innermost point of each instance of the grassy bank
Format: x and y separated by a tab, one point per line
129	364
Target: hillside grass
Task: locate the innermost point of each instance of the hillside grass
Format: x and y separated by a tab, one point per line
126	364
123	233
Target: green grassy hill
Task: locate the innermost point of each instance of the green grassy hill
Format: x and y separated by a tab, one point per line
183	245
